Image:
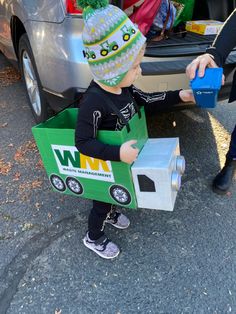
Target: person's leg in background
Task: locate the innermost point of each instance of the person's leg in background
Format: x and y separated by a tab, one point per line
223	180
231	155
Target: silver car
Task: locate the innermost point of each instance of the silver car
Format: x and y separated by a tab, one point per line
43	38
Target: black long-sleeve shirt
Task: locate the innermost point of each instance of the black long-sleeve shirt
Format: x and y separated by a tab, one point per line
223	45
95	114
225	40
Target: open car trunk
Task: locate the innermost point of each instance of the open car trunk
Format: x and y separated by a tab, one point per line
178	45
192	43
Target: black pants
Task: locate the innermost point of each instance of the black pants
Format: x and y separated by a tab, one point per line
232	147
97	216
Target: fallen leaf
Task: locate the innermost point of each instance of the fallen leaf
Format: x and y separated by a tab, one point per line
39	164
8	76
4	125
27	226
27	186
17	176
24	198
20	155
30	145
36	184
5	167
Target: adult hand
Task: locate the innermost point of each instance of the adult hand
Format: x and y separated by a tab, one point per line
128	153
201	63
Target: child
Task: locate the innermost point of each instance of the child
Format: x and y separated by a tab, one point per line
115	64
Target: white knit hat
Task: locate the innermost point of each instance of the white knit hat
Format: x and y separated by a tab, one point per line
112	42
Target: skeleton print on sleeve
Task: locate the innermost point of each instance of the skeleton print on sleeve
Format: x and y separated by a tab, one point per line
96	116
128	111
153	102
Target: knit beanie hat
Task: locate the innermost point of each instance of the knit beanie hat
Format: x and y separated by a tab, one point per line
111	41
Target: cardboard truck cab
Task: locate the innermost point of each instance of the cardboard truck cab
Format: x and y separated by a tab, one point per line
152	181
157	173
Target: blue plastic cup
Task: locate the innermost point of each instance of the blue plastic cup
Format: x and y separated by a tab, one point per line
206	88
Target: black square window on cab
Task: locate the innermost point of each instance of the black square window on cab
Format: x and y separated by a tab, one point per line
146	184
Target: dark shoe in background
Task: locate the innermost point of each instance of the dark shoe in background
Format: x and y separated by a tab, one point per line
223	180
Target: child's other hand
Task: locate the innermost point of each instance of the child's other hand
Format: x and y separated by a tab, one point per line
186	95
128	153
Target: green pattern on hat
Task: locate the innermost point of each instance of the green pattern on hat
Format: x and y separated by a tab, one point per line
112	42
109	31
114	52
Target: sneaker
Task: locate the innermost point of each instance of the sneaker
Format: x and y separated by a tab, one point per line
118	220
103	247
223	180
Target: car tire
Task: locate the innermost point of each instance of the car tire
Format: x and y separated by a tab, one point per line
120	194
74	186
36	99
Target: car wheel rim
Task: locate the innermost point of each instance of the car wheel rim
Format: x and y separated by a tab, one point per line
31	83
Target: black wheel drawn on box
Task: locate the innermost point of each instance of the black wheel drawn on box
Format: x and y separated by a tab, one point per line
74	186
57	183
120	194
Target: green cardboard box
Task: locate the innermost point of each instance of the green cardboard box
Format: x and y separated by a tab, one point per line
73	173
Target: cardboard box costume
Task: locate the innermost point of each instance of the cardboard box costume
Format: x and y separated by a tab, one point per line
151	182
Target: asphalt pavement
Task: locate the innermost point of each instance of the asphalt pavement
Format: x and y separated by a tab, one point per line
171	262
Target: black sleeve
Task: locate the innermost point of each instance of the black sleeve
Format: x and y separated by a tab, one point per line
89	120
154	102
225	41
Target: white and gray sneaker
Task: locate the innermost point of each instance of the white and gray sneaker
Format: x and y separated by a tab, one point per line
118	220
103	246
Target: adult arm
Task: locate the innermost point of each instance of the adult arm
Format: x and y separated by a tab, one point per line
216	55
225	41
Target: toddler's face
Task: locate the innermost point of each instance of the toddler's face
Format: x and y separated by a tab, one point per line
133	73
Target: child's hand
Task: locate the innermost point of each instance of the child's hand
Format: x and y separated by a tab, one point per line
186	95
128	153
